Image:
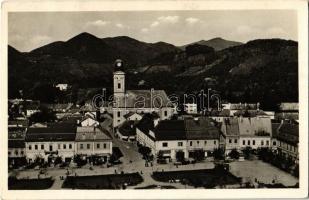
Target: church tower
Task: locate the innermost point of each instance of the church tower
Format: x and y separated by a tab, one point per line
119	79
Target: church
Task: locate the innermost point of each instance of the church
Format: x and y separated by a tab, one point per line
137	101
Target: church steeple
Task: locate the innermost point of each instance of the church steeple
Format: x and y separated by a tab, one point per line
119	79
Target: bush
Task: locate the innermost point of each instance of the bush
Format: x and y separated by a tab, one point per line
234	154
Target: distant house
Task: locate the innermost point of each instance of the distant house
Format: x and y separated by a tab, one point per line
18	123
89	121
50	142
170	137
59	107
131	116
288	110
190	108
31	109
62	86
16	150
93	141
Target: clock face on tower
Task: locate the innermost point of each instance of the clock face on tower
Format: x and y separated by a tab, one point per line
118	64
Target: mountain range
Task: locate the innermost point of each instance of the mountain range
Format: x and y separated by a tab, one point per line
259	70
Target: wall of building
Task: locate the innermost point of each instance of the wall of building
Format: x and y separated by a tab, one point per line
173	146
16	152
90	147
254	142
287	149
65	149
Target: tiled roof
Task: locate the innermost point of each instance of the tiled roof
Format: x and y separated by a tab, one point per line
200	129
250	113
90	133
225	113
231	127
16	143
289	106
275	127
143	99
180	129
289	133
170	130
53	133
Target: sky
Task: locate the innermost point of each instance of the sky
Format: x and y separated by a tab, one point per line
30	30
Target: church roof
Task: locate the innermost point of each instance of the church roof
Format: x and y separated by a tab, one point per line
143	99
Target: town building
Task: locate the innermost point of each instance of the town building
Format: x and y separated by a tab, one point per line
169	137
288	110
50	142
242	132
137	101
16	150
93	141
89	121
287	137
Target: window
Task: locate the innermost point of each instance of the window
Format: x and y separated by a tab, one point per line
215	142
274	143
59	146
81	146
248	142
197	142
119	85
16	152
70	146
88	146
244	142
64	146
235	140
42	146
230	140
9	153
118	114
253	142
165	113
190	143
267	142
205	142
98	145
36	147
262	142
180	144
164	144
104	145
22	153
30	147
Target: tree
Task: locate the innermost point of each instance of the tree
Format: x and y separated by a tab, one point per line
218	154
234	154
44	115
247	152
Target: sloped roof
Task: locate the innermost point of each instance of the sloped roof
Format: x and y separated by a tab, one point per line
250	113
170	130
225	113
200	129
289	133
16	143
289	106
143	99
53	133
275	127
180	129
129	114
90	133
231	127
